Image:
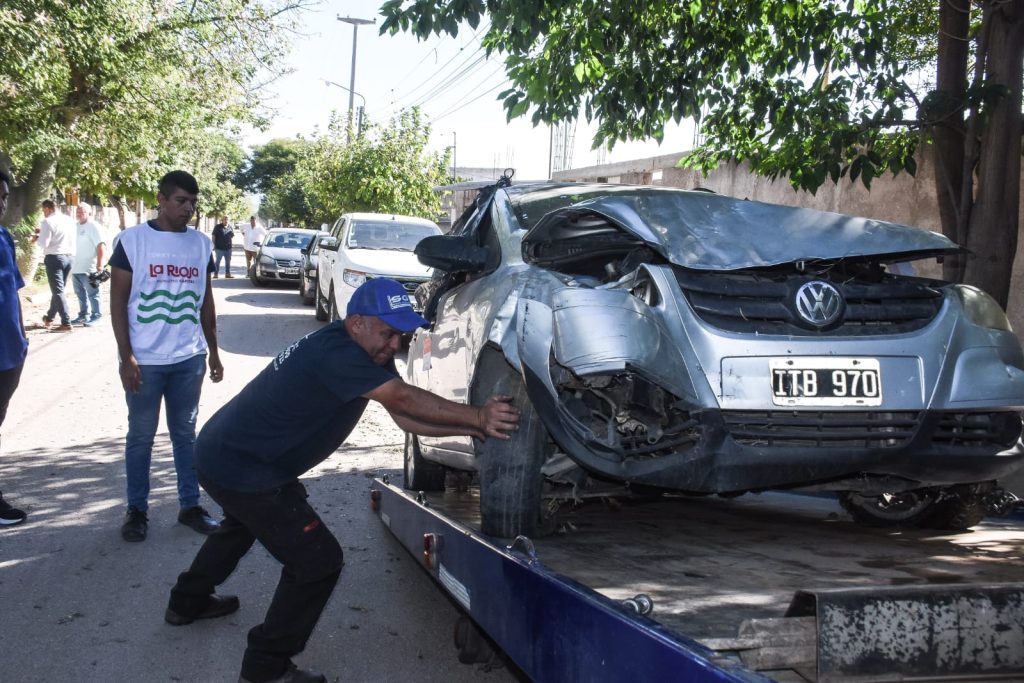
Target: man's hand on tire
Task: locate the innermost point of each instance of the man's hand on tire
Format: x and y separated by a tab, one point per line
498	418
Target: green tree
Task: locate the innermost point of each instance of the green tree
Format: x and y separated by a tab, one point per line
813	90
386	170
270	162
108	95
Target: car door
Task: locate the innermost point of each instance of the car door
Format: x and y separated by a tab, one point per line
327	258
447	353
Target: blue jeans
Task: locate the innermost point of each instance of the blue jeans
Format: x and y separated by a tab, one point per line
179	384
225	255
88	297
58	267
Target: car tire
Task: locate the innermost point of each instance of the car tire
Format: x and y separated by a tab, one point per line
255	278
332	306
420	474
307	299
510	470
319	305
906	509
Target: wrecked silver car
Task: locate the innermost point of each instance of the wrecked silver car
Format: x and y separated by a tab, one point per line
671	340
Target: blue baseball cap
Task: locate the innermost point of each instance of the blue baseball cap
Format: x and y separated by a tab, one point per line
386	299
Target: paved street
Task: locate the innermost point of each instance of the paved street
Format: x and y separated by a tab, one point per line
80	604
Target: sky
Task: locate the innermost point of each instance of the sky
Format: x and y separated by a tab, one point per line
449	78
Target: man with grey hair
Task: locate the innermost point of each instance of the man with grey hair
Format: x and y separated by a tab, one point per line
89	249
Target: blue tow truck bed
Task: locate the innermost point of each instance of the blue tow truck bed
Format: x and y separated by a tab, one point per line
762	587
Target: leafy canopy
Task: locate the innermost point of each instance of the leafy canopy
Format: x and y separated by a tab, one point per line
387	169
810	89
116	92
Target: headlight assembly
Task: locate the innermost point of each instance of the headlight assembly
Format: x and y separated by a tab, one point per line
266	260
982	309
353	278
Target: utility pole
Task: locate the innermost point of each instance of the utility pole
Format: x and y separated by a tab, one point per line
455	164
356	23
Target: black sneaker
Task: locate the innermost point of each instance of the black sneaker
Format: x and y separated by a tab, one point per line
293	675
220	606
136	523
10	516
199	520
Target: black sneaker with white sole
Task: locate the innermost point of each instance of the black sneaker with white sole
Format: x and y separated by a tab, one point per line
10	516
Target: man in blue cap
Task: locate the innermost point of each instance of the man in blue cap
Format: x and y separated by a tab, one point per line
292	416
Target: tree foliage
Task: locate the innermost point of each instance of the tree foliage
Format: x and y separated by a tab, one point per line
386	170
108	95
814	91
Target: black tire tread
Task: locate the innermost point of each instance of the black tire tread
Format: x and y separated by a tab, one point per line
510	476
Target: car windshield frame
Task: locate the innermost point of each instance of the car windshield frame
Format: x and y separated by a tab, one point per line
388	235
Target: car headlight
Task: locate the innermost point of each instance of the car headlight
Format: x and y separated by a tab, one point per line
981	309
266	260
353	278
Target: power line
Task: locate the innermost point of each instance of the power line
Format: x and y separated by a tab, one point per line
470	90
452	111
395	103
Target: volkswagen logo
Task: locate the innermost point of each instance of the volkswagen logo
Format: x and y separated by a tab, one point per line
819	303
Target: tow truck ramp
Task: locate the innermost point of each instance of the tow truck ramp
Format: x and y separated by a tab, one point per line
555	628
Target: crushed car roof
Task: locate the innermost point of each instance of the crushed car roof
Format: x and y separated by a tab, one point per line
706	231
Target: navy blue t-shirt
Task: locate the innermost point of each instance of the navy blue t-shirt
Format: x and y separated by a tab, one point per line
292	415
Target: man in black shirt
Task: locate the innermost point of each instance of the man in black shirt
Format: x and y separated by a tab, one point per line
289	418
222	236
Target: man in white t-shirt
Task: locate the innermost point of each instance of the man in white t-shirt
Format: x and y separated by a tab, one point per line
253	234
89	250
56	235
165	326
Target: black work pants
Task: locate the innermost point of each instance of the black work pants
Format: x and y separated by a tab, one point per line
9	380
285	524
58	270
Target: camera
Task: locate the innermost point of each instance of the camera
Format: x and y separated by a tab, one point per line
97	278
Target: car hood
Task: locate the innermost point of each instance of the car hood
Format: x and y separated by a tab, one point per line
706	231
283	253
387	262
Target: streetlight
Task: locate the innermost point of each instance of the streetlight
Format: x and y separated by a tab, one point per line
359	126
356	23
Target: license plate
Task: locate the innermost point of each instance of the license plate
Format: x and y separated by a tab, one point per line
290	271
826	381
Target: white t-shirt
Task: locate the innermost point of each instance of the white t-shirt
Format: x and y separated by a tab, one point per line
57	234
253	235
86	240
169	272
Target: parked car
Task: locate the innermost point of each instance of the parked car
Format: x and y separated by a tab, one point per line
367	245
308	268
279	256
683	341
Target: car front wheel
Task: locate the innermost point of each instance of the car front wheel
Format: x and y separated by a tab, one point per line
320	306
254	276
305	291
510	470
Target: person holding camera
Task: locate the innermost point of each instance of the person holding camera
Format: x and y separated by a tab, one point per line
89	249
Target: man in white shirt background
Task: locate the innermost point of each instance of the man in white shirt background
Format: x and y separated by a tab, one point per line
89	250
253	234
57	236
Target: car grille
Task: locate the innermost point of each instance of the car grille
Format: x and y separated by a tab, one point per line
286	263
760	304
779	429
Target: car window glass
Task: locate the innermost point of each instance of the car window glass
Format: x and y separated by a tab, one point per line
288	240
389	235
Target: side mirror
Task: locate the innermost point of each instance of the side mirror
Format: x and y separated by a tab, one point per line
257	243
329	243
451	253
